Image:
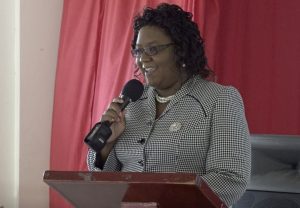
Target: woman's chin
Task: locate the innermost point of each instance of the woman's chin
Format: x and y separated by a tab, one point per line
150	82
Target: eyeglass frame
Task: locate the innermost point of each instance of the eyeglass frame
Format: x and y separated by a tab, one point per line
158	48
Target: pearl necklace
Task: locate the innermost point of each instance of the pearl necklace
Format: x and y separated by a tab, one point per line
163	99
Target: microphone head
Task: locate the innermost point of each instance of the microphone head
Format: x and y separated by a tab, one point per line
133	89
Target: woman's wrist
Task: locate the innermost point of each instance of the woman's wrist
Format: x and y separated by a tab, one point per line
106	150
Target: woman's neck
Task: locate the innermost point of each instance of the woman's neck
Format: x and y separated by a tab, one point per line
172	90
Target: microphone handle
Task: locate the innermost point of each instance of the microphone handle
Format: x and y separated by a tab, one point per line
99	134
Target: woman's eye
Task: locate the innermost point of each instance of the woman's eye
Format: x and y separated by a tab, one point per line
152	50
138	51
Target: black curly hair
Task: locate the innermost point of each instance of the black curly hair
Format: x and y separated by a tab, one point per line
184	32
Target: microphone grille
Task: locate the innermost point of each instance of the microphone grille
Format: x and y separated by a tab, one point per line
133	89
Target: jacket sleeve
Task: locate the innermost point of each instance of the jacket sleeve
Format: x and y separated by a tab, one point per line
95	163
228	164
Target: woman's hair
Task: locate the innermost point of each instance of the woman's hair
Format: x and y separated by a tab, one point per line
178	24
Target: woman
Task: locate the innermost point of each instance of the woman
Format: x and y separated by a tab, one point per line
182	123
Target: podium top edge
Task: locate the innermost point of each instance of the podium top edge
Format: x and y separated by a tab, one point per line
144	177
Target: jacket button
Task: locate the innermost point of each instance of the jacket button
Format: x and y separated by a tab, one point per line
141	141
141	162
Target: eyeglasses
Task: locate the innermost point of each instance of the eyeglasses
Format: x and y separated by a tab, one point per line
149	51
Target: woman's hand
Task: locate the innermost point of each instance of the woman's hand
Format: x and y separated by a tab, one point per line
116	117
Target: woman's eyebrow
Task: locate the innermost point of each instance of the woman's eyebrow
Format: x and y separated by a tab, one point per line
147	44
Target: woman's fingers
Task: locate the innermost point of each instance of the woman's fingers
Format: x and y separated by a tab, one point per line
112	113
117	100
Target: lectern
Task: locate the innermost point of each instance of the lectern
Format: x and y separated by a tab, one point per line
132	190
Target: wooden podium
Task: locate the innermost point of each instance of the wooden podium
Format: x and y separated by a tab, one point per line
132	190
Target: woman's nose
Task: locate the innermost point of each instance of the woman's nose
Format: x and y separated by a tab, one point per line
144	57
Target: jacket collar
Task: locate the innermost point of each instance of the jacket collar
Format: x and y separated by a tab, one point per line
196	87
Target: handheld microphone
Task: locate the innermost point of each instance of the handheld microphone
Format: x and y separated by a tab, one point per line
99	134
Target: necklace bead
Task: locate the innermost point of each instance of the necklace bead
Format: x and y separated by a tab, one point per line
163	99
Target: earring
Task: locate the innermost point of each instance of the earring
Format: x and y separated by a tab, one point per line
183	65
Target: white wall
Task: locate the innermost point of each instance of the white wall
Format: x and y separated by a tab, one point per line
29	43
8	104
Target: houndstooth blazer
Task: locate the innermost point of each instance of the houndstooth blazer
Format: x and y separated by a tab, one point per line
203	130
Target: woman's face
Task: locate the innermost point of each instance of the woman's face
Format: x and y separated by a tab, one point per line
160	70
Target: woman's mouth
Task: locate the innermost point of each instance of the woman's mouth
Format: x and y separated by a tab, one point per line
149	70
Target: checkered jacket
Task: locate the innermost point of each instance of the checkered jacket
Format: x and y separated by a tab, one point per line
203	130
